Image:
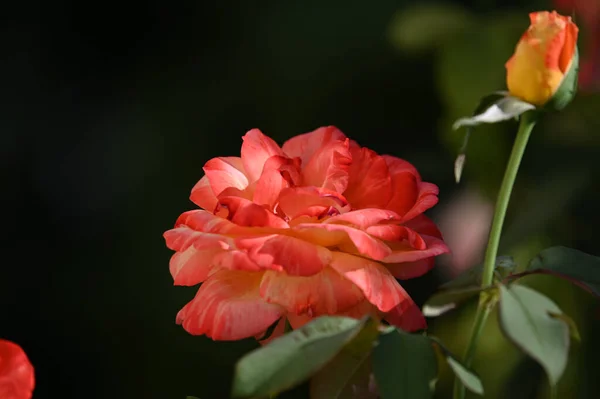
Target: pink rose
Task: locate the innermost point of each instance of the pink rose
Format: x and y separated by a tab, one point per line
320	226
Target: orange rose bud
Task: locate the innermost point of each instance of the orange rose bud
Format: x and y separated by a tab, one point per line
543	69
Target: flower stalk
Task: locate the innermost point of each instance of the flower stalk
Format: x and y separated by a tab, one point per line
528	121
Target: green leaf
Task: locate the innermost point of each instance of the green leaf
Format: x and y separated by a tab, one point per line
446	300
573	330
404	365
472	277
359	384
525	320
484	103
347	368
576	266
504	109
468	377
294	357
426	26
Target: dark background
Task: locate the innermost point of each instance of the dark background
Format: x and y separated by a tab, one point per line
111	109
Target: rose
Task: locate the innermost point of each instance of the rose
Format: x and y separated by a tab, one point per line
541	75
543	58
318	227
16	372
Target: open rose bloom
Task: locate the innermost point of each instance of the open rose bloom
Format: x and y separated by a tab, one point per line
320	226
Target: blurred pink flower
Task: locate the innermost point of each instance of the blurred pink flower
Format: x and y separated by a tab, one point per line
320	226
465	222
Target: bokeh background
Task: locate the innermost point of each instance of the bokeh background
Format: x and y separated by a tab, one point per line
111	109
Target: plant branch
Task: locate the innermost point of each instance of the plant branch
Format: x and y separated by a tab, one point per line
528	121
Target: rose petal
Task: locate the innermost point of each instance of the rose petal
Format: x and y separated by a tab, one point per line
277	332
397	166
548	35
407	316
398	233
568	49
243	212
225	172
298	320
404	252
17	376
329	166
387	232
360	310
305	145
375	281
426	199
240	260
329	235
309	201
180	238
256	149
268	188
405	180
408	270
207	222
203	195
228	307
278	173
363	218
323	293
423	225
192	266
297	257
370	184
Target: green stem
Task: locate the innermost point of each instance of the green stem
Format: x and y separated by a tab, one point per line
527	123
480	318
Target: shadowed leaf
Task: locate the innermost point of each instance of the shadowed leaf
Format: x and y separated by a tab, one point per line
525	318
347	367
472	277
294	357
404	365
504	109
573	330
468	377
576	266
445	300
